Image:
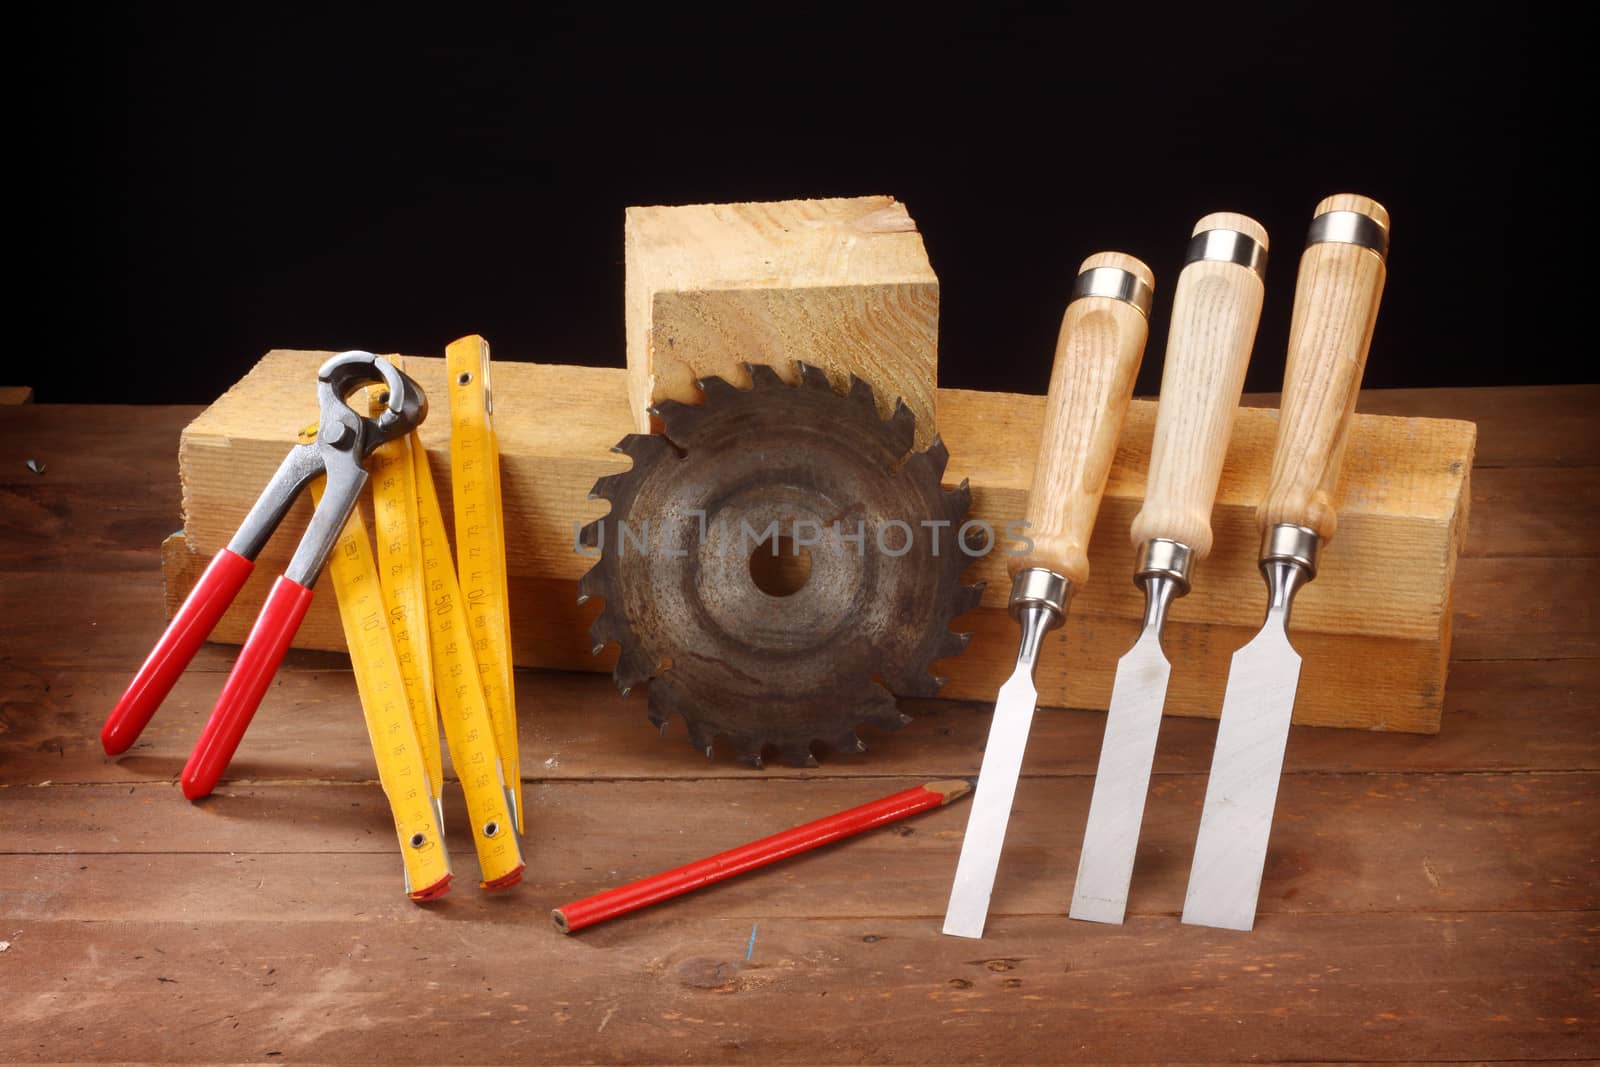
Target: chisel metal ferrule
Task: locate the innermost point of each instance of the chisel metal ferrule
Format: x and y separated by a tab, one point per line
1039	586
1116	283
1288	561
1162	557
1350	228
1228	246
1288	543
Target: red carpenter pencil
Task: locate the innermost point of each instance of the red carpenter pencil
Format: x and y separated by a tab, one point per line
570	918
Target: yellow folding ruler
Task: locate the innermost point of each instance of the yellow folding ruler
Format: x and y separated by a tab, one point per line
412	642
462	707
394	512
481	544
402	766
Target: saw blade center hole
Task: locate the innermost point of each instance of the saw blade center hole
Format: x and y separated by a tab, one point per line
780	567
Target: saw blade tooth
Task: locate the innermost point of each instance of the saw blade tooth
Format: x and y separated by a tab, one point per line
676	417
603	631
764	376
848	743
966	598
889	719
931	460
917	682
701	736
797	754
717	389
750	754
862	396
633	667
594	583
953	644
605	486
902	426
814	377
880	709
643	449
958	502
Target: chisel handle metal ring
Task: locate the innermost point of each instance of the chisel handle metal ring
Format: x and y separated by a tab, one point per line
1124	283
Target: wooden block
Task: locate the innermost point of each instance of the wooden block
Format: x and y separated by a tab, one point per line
842	284
1374	627
16	394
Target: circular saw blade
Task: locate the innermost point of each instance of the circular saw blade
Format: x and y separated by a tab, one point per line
778	469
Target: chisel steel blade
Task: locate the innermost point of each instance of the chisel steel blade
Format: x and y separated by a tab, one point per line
1116	809
1236	820
991	805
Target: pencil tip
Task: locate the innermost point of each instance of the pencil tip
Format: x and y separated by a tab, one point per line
950	788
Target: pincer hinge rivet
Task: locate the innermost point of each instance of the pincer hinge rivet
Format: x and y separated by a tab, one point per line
337	434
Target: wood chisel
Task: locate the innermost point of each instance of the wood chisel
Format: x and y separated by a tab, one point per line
481	544
1097	358
385	705
1335	308
1215	308
462	708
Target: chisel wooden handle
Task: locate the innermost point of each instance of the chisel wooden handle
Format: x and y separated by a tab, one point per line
1216	306
1097	357
1335	307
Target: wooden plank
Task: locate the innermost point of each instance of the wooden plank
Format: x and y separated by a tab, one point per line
16	394
1389	522
1500	716
843	990
842	284
1451	843
560	422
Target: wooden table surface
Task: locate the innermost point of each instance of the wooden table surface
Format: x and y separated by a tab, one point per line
1426	898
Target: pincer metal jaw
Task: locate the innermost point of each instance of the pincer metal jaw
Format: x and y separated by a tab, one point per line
345	438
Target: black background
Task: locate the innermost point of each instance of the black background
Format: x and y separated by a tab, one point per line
210	183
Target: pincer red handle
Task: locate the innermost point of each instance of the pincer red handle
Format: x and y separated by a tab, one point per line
223	578
258	661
